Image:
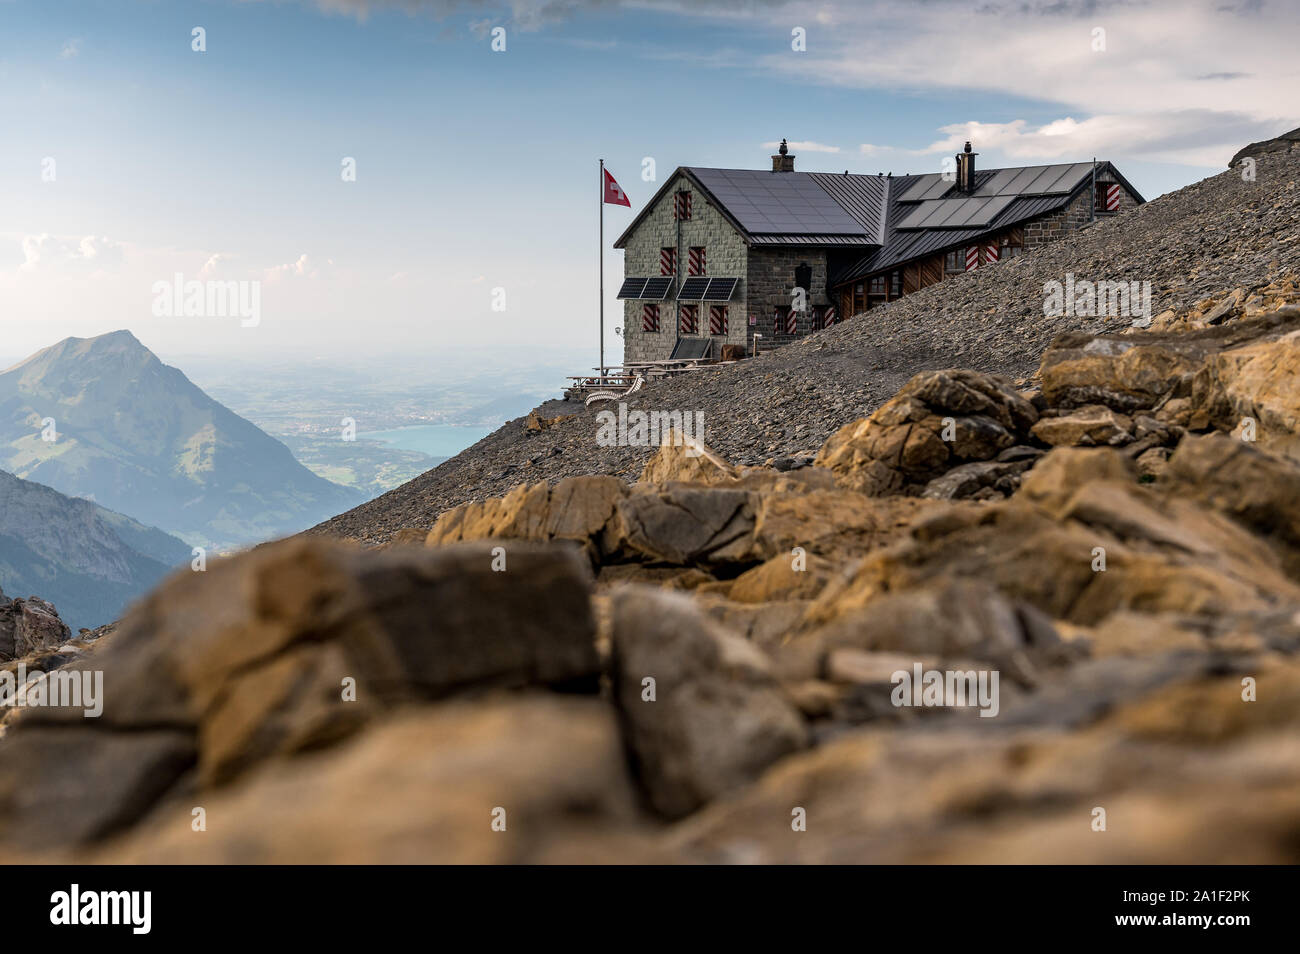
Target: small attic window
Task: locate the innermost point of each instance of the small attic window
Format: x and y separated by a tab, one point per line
1107	197
682	206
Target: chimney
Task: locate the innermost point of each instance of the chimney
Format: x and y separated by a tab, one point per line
783	162
966	170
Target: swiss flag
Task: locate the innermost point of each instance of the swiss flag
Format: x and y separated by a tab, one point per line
614	194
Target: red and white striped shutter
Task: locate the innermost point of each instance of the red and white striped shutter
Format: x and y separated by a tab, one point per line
650	318
668	261
682	205
972	257
792	322
717	319
695	260
829	318
1112	198
990	253
690	319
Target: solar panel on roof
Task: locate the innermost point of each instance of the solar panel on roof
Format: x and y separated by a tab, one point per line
955	213
1022	178
777	203
945	210
966	209
657	289
939	188
988	210
1041	183
720	289
694	288
632	287
916	191
998	184
916	216
1047	184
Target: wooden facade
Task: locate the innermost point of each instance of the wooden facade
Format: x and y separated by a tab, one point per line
865	293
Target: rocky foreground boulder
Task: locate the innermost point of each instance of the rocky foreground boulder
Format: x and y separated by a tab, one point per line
28	626
724	663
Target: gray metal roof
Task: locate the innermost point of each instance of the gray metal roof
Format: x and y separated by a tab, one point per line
904	245
863	197
865	241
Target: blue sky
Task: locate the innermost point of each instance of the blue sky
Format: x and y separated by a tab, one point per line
476	169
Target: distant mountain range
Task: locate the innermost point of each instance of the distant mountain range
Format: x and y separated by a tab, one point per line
89	562
102	418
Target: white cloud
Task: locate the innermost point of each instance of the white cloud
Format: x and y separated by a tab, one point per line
1188	81
71	48
304	267
45	251
218	265
1185	81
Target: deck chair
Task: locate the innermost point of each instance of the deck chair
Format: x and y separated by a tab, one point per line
595	397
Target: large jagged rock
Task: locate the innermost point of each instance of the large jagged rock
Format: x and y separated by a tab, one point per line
684	524
1189	772
1090	426
685	459
938	420
1129	372
1043	548
518	780
784	577
950	619
1260	491
716	718
29	626
1252	390
289	648
756	517
1283	143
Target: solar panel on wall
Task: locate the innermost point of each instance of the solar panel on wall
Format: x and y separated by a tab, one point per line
632	287
720	289
693	289
657	289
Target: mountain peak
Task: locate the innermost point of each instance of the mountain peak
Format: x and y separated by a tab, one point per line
120	337
121	341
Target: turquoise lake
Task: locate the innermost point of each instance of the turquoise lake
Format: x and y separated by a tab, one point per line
436	440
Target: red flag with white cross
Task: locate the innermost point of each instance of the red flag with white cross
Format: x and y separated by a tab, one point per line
614	194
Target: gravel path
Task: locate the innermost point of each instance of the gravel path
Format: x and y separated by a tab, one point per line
1197	243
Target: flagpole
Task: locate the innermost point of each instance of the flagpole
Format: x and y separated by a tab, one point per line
600	195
